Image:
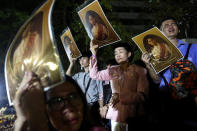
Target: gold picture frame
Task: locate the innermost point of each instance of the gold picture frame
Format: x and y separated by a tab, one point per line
162	51
33	49
97	25
69	44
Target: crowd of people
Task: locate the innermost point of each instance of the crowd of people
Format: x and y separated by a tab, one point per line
79	102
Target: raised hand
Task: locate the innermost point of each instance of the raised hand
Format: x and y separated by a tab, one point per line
146	57
93	48
72	59
29	103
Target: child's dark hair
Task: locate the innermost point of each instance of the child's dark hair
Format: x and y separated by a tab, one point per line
85	54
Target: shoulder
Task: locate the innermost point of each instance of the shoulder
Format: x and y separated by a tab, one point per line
113	68
192	49
194	46
140	70
79	74
183	43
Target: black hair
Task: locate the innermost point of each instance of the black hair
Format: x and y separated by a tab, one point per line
167	18
85	54
125	45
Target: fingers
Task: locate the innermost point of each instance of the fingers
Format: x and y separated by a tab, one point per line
72	60
30	80
93	48
146	57
114	103
28	77
91	43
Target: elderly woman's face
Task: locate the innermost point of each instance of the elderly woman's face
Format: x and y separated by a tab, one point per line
65	107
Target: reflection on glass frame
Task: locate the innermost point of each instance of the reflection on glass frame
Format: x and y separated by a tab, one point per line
163	53
97	25
69	44
33	49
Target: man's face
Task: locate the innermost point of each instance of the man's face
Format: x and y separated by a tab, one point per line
170	28
84	62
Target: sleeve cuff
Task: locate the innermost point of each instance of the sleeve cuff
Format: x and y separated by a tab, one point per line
93	56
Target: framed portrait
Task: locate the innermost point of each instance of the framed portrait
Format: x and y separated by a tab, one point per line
33	49
97	25
163	53
69	44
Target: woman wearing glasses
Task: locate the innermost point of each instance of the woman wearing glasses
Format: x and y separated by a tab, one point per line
64	108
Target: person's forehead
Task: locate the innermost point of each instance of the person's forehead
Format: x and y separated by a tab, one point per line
84	57
119	48
61	90
168	21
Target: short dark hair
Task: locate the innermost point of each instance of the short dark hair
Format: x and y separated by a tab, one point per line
127	46
167	18
85	54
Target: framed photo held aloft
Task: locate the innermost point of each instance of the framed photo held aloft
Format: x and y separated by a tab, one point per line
162	51
33	49
97	25
69	44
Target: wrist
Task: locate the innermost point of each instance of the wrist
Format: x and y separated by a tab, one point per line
115	95
93	55
148	65
21	119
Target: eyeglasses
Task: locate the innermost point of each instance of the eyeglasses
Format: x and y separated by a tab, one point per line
58	103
